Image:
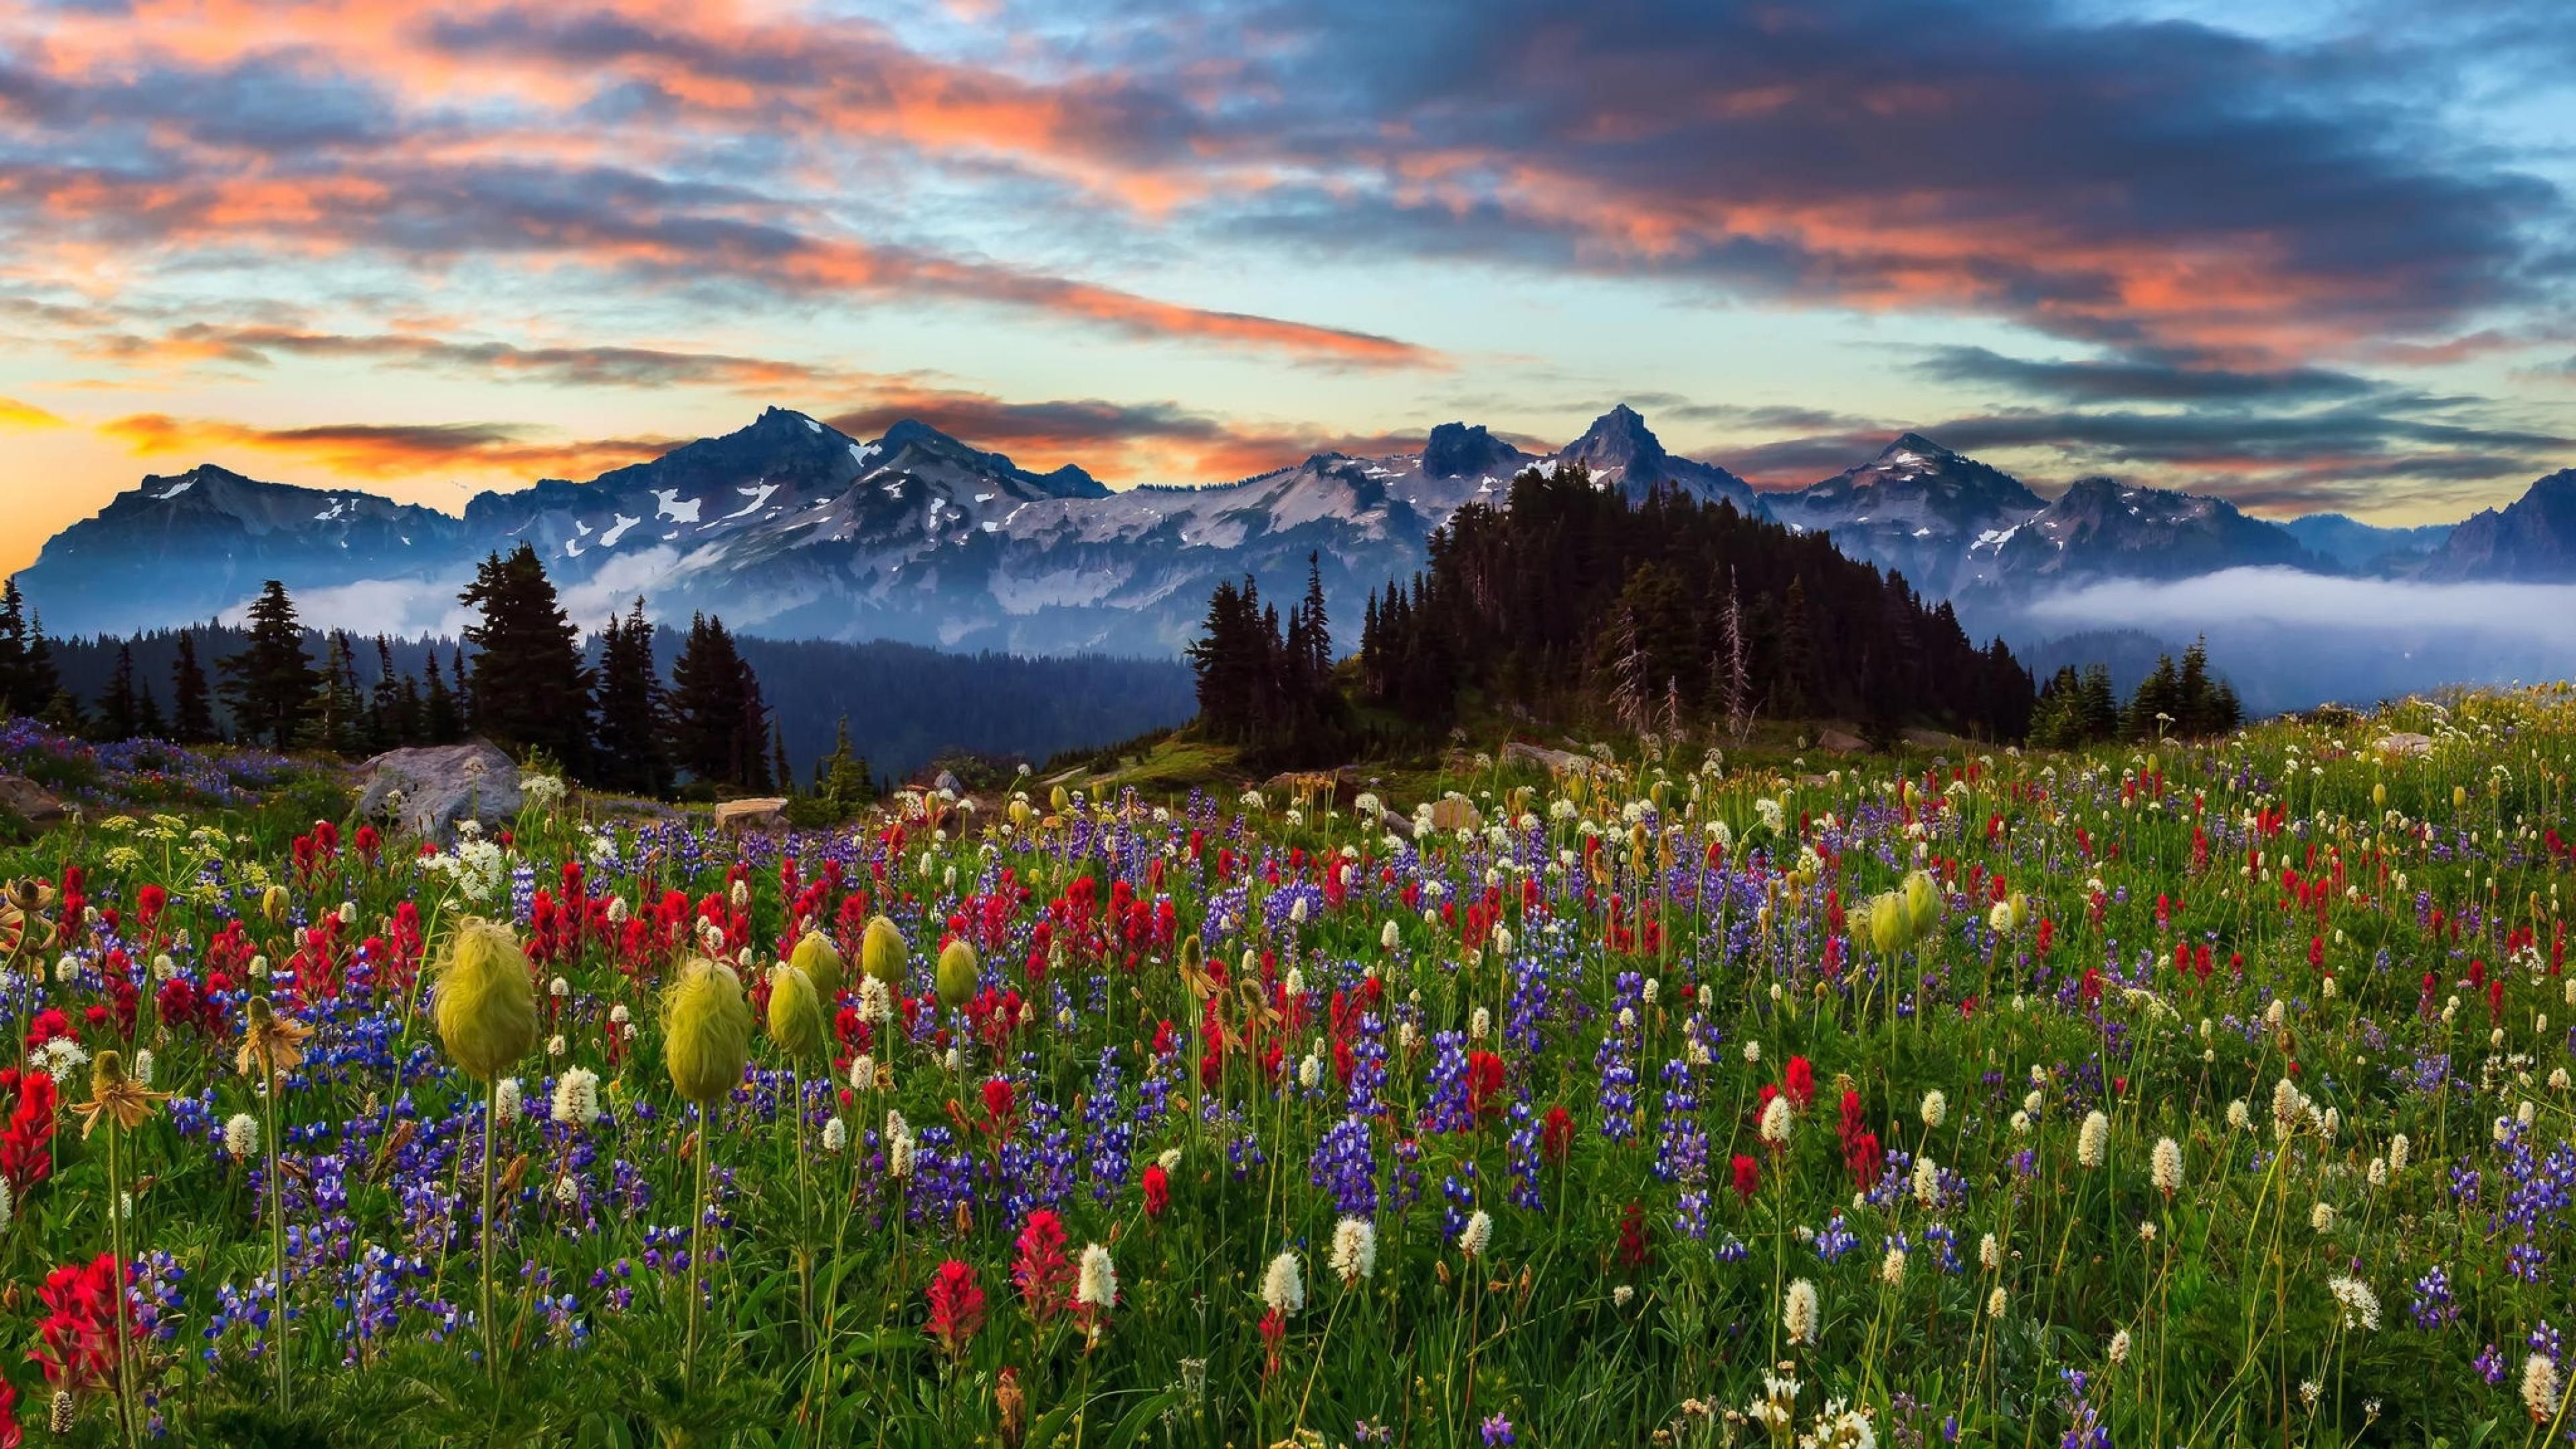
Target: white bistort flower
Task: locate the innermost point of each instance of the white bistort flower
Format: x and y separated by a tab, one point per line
1354	1249
1097	1288
1283	1287
1477	1235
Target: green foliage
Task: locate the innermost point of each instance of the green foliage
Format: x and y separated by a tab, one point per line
1666	615
529	687
1638	1284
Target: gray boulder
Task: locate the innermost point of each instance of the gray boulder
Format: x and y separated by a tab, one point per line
28	800
1555	762
428	791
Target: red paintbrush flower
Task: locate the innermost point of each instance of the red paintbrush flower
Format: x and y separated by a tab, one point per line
1042	1272
956	1306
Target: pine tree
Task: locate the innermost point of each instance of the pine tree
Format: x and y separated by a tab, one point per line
719	725
16	697
148	722
1790	690
529	691
269	684
440	722
2099	705
841	779
2157	705
192	720
62	714
631	749
783	774
38	672
337	721
384	702
120	713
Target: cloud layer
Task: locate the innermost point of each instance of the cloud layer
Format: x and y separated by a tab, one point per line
2282	257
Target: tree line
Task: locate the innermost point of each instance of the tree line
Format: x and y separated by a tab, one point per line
1268	686
1574	603
519	677
2185	700
685	707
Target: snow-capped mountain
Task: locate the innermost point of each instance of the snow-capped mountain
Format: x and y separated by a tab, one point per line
1917	508
2102	528
790	528
1619	450
178	549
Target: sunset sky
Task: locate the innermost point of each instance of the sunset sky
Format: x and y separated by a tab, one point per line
2307	255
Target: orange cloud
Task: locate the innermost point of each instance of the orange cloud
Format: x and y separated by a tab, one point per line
575	366
391	450
21	417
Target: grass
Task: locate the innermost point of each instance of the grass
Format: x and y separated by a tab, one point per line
1568	1023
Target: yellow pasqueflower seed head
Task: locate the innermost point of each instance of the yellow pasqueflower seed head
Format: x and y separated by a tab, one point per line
883	951
706	1030
487	999
957	973
795	1013
821	962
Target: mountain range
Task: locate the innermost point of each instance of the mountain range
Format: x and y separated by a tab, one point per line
789	528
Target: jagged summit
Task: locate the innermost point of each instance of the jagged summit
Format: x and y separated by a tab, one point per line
793	527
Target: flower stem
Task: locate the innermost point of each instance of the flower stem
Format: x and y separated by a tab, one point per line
491	1340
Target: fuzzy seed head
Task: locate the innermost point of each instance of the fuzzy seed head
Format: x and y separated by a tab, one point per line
487	1000
795	1013
706	1030
883	952
821	962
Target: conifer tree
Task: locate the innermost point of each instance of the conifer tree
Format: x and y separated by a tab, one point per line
384	702
17	696
269	684
841	779
40	680
192	703
440	721
337	720
120	713
720	726
529	689
631	748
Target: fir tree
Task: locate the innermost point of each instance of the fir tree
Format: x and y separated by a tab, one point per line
841	779
337	721
192	703
719	724
39	678
631	750
16	694
120	713
440	721
269	684
529	690
384	702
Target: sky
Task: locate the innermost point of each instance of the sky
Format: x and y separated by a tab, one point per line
2311	256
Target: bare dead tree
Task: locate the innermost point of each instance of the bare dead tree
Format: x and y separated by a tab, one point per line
1736	667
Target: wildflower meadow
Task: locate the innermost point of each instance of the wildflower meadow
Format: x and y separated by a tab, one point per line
2206	1093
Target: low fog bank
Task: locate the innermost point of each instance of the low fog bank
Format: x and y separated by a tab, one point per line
2292	640
429	604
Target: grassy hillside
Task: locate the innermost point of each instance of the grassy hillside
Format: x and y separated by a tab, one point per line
2212	1094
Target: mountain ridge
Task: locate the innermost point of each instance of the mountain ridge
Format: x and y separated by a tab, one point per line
790	528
